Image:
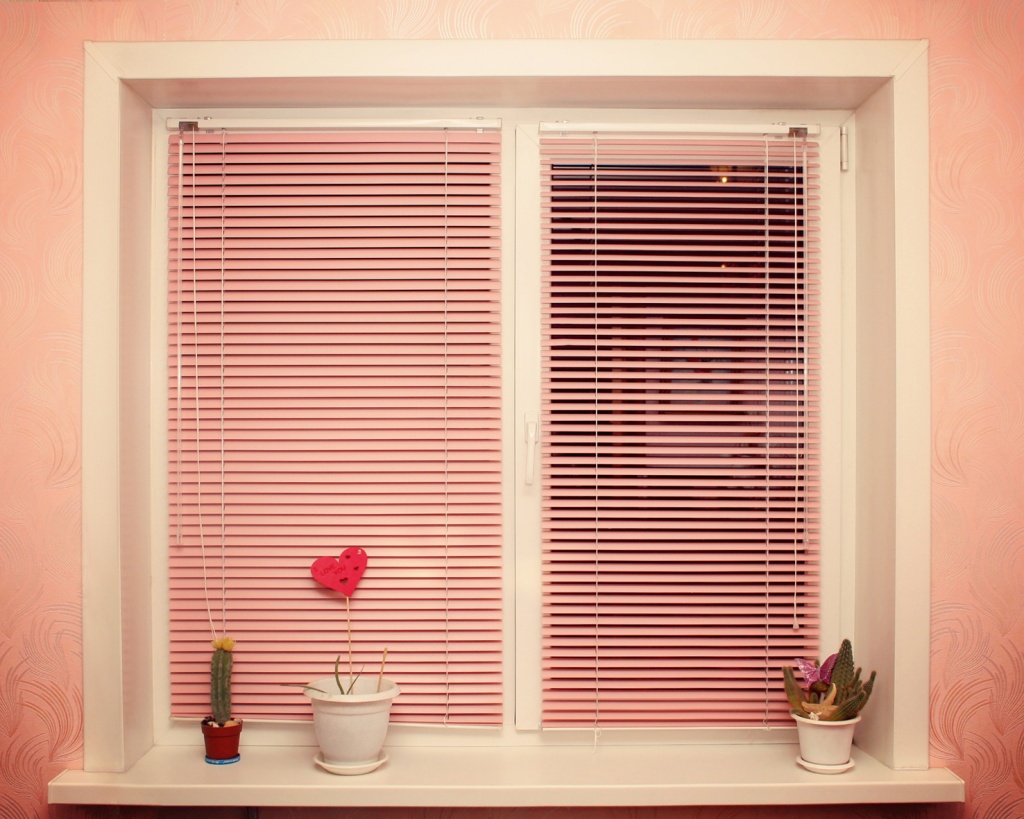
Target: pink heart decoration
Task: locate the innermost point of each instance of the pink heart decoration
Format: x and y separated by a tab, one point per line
342	574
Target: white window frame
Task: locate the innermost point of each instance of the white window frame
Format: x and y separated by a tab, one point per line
836	488
884	84
521	309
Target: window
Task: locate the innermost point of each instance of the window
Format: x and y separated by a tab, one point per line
680	420
335	381
878	88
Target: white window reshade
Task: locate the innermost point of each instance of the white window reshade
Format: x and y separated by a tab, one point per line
680	447
335	382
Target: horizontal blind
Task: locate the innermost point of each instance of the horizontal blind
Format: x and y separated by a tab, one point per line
334	382
680	454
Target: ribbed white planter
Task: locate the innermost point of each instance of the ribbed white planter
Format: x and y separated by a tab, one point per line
350	728
825	743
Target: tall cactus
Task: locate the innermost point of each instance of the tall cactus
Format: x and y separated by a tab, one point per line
220	679
843	671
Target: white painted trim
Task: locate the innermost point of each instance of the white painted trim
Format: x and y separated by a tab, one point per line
745	59
507	777
913	409
527	342
837	489
101	568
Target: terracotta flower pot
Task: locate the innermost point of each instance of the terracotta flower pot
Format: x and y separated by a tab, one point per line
222	743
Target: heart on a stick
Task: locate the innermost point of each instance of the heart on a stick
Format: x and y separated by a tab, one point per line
341	574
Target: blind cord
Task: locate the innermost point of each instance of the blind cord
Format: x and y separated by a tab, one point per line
198	389
223	350
800	322
597	468
447	612
767	432
179	274
198	393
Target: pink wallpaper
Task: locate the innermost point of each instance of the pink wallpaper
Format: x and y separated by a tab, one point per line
977	175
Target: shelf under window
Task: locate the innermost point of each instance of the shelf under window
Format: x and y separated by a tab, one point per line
286	776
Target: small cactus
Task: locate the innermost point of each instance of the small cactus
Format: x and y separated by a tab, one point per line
220	679
836	696
794	692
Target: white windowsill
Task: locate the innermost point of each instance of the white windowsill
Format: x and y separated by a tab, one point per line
285	776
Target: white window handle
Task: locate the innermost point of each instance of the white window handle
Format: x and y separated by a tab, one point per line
532	433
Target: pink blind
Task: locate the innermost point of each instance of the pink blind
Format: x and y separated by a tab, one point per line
334	382
680	447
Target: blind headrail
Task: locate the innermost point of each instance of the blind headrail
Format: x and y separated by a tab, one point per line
317	124
775	129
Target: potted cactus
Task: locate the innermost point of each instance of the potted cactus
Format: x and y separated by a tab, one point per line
826	705
220	730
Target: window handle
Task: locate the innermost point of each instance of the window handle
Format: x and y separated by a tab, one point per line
532	434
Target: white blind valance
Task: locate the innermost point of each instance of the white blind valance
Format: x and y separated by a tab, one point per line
680	448
334	382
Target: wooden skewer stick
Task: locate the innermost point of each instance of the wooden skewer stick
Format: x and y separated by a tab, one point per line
380	677
348	613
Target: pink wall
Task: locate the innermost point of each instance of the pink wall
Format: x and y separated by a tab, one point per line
977	221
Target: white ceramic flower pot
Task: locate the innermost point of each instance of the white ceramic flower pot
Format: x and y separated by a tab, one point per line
350	728
824	743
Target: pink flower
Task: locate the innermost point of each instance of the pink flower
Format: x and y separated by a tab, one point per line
814	673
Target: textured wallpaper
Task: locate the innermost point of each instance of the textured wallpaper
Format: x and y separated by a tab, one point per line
977	257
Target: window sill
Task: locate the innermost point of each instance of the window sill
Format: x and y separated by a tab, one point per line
285	776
